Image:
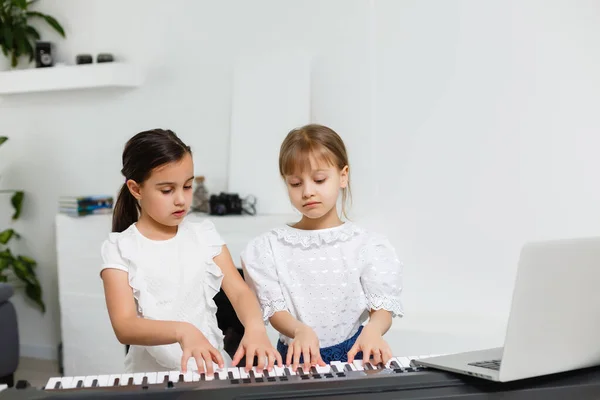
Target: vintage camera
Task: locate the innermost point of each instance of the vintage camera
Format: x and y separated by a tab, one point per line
225	204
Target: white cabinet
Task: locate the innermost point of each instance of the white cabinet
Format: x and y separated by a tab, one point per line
89	344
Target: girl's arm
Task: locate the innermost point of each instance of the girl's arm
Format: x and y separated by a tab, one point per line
380	321
246	306
128	327
286	324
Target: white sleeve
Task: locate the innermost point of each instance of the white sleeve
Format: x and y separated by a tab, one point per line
381	276
111	255
260	273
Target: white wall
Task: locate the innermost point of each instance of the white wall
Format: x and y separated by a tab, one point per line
470	125
487	137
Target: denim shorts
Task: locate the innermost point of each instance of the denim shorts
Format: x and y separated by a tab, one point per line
337	352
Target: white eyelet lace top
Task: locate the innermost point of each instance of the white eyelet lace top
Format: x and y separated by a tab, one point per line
328	279
175	280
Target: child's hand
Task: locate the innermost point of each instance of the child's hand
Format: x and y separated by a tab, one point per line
305	344
194	344
256	343
371	342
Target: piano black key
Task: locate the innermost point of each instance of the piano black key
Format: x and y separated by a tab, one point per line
348	368
395	365
230	374
130	381
180	378
287	371
334	368
216	374
381	366
95	383
79	384
58	385
145	381
116	382
251	374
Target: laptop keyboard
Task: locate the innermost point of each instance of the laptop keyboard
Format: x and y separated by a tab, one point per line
491	364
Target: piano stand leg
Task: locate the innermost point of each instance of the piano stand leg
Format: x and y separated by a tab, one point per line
8	380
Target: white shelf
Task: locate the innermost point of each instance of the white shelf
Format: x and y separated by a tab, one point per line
87	76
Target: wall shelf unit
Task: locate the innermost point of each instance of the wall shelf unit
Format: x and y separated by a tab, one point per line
72	77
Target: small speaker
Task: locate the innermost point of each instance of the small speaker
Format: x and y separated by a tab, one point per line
43	55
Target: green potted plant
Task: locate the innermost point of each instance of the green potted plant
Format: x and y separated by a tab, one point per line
21	267
17	35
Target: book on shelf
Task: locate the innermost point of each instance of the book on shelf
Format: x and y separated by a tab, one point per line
85	205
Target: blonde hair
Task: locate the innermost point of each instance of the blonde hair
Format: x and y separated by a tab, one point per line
319	141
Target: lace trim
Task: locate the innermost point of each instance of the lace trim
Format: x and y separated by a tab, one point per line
380	302
271	307
307	238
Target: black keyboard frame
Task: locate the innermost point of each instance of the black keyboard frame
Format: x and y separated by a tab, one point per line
379	384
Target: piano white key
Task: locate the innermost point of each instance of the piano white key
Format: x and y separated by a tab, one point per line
404	361
111	379
150	377
138	378
160	376
3	387
188	376
174	376
243	373
359	365
277	371
338	365
323	370
51	384
103	380
235	372
124	380
76	381
66	382
223	373
89	381
258	373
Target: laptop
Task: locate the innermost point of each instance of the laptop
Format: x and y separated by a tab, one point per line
554	321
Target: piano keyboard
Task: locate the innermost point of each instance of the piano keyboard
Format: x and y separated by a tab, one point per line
234	375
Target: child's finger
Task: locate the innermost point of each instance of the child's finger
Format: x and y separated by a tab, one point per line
237	357
261	354
376	356
217	357
278	357
250	352
199	362
208	360
306	351
386	355
290	353
352	352
184	360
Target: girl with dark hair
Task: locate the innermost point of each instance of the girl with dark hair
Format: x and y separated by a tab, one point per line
161	272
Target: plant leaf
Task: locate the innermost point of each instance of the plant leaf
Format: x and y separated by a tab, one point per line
50	20
34	292
6	235
30	262
17	203
3	139
31	31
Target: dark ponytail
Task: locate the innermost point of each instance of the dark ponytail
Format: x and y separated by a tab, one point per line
143	153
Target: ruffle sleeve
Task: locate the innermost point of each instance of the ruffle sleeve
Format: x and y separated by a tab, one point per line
381	276
261	275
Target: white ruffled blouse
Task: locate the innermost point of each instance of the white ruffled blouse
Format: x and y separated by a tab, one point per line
329	279
175	280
